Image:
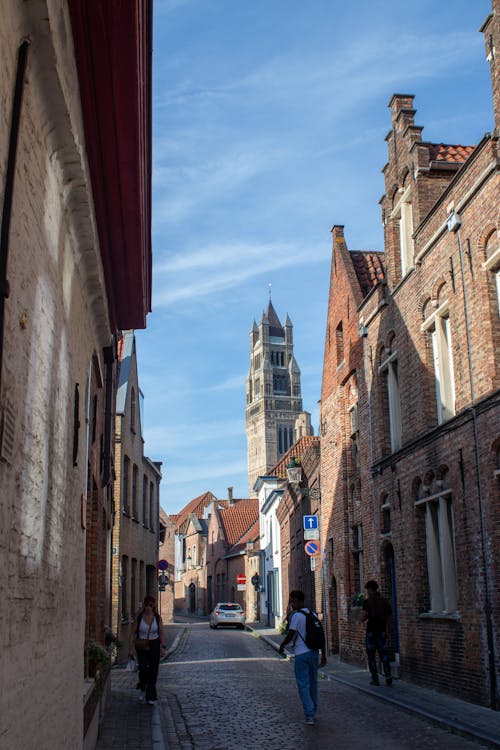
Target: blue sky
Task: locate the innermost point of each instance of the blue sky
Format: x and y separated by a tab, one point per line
269	121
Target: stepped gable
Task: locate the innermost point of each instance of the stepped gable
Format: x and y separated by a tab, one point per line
194	507
369	269
297	450
237	519
451	154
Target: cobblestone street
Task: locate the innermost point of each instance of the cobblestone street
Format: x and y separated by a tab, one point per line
227	690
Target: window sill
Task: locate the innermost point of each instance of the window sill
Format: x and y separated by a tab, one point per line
386	534
439	616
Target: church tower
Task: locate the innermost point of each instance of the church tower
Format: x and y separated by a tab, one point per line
274	415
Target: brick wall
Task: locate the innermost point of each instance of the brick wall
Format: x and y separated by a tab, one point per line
55	320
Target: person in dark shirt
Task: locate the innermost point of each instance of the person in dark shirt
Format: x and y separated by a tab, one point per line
376	611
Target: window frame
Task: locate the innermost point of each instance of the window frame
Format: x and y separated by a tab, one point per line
388	369
438	326
440	552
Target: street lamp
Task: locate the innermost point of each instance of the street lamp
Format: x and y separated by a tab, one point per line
294	471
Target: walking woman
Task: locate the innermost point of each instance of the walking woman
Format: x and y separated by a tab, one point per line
148	640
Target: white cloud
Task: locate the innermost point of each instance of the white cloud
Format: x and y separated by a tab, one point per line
215	268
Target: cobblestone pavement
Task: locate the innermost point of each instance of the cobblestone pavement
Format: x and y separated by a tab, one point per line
227	690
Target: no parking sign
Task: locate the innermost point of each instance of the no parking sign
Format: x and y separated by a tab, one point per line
311	548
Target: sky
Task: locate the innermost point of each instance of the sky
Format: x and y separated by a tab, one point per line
269	125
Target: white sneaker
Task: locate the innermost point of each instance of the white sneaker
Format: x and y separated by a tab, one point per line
310	721
151	703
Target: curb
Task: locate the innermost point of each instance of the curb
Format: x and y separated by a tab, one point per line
456	727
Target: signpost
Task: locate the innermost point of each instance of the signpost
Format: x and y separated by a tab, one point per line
310	522
311	548
311	527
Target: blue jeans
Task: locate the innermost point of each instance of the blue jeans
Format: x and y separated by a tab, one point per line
376	641
306	675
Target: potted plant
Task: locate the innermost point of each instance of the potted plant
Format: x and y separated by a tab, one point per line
98	659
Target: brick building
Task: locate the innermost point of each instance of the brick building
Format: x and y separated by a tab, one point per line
75	269
136	531
166	553
410	438
299	498
185	598
232	550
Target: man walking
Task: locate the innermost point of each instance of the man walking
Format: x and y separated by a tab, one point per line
306	659
376	611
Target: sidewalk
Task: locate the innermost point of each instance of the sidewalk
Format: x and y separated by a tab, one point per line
467	719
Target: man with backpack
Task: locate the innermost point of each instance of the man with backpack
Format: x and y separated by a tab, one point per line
306	633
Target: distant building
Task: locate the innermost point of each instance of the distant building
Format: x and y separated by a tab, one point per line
274	415
410	415
166	554
137	501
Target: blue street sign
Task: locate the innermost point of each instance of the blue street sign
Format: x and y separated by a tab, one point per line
310	522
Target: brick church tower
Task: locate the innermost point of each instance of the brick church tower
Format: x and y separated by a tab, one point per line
274	416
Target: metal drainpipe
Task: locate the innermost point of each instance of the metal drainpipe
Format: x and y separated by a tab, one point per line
454	223
323	574
9	185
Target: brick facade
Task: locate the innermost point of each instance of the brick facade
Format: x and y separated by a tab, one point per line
58	327
411	497
136	532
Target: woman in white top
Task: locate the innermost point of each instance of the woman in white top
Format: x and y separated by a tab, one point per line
148	640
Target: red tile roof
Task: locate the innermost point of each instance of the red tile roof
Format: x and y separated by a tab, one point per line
449	153
297	450
369	268
237	519
196	506
252	535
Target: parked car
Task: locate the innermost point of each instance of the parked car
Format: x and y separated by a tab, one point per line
227	613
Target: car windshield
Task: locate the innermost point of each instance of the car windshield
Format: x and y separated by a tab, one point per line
230	607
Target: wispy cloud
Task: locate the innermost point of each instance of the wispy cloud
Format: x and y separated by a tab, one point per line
175	437
216	268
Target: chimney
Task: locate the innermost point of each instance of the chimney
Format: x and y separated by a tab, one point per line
230	495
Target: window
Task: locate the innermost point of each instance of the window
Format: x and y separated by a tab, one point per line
125	485
135	473
389	372
133	408
145	501
492	263
339	343
152	524
438	326
133	583
123	580
403	215
385	516
285	438
440	551
354	435
358	557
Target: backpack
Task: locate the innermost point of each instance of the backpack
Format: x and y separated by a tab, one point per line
315	636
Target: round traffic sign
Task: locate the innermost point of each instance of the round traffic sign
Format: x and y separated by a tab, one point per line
311	548
162	565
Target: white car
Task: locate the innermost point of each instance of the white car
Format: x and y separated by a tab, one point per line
227	613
